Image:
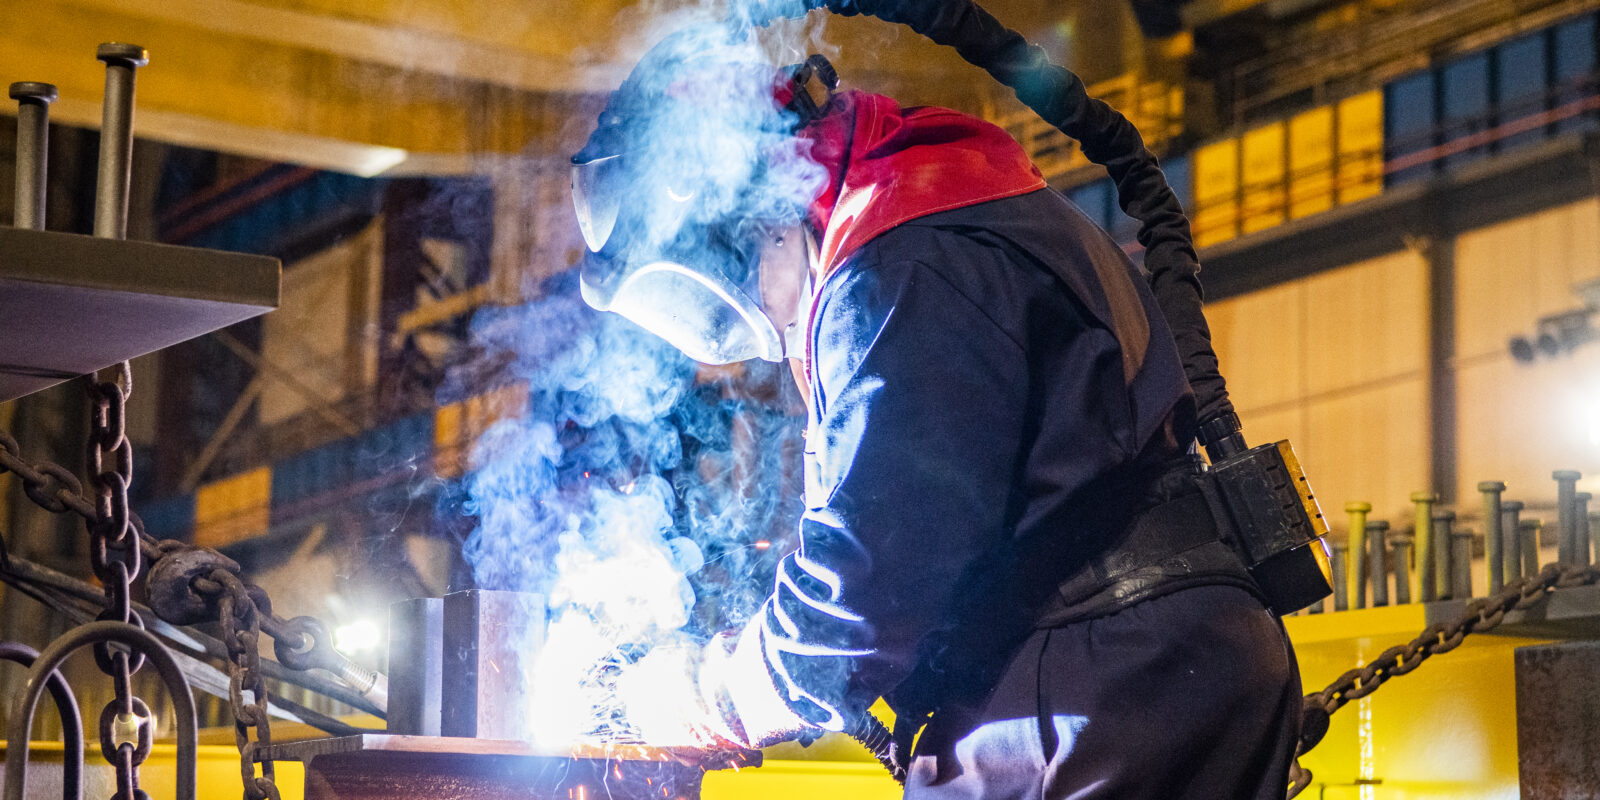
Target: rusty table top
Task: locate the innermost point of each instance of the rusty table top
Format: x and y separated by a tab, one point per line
460	746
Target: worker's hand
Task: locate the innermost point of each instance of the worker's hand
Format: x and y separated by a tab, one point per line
720	696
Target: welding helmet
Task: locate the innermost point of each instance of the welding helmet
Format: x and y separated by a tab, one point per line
696	158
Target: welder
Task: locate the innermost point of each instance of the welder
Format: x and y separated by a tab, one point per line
1005	535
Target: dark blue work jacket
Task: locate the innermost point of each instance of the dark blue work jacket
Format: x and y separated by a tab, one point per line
986	384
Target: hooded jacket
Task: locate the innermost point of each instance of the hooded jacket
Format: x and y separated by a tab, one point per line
993	394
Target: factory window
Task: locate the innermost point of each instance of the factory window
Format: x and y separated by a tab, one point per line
1409	125
1464	106
1520	85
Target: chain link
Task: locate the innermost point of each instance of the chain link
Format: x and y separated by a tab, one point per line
1481	615
241	632
116	557
119	550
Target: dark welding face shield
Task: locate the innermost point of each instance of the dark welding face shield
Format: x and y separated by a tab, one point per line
673	205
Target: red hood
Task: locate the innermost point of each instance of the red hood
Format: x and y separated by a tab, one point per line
888	165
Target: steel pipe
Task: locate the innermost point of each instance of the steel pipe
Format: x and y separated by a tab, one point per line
1377	550
1341	585
1461	565
1444	555
1511	546
1493	534
1594	533
76	639
33	151
1427	568
1566	515
1357	514
1402	572
1580	503
116	138
1528	531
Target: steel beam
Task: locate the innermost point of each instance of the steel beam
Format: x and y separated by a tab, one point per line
71	304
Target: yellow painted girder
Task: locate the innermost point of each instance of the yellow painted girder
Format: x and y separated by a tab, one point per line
420	86
207	89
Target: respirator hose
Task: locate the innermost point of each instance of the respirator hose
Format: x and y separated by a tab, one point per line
1058	96
873	735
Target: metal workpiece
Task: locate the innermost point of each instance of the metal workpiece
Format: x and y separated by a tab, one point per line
383	767
116	138
416	650
33	149
1528	536
1401	547
1511	543
1426	565
1356	512
1377	552
1461	565
1493	534
1557	706
490	639
1566	515
1444	555
1337	558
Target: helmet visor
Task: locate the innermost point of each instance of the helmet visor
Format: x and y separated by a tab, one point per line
701	314
597	197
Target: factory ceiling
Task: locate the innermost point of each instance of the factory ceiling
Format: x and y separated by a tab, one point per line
408	86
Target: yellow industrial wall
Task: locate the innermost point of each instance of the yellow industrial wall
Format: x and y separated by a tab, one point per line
1520	421
1337	364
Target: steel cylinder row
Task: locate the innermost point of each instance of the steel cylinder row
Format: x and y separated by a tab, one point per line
1433	558
116	143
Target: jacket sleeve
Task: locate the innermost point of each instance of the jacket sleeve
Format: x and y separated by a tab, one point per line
912	448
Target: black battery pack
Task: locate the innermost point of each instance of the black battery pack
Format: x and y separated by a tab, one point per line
1265	510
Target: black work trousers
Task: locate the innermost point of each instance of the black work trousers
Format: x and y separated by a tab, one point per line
1190	696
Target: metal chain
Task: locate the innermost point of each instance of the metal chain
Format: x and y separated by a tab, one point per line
116	557
1481	615
56	489
119	550
241	632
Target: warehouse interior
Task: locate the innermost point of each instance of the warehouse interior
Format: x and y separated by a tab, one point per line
1396	205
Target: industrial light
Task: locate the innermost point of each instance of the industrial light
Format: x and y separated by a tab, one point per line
1557	334
359	636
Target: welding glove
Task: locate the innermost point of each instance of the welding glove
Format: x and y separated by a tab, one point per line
719	696
738	688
